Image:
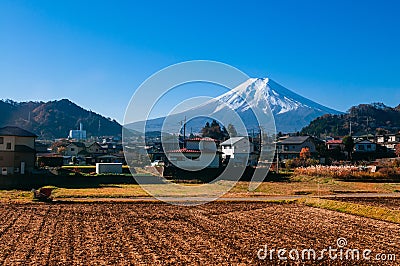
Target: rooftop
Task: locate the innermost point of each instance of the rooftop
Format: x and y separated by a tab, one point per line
232	141
335	141
16	131
201	139
294	140
184	150
78	144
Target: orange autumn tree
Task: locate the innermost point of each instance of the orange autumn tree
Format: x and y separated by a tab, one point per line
305	153
397	150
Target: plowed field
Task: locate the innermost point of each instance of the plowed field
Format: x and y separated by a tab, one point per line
154	233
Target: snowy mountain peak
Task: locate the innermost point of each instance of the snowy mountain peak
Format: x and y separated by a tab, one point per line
261	93
291	111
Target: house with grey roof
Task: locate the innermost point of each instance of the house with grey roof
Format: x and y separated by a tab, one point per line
364	146
74	148
291	147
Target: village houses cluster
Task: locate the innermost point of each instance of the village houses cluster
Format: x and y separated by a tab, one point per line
21	152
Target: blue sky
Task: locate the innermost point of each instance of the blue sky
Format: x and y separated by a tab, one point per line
96	53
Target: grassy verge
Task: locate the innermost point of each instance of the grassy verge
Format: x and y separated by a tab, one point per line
374	212
315	186
296	185
15	195
105	191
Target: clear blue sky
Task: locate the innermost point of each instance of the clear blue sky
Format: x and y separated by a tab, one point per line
337	53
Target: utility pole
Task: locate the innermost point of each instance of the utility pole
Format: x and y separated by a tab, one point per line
184	129
350	130
261	135
277	160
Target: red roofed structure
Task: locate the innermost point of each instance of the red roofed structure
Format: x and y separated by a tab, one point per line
334	144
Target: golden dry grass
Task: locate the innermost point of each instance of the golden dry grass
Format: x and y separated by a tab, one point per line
297	185
316	186
374	212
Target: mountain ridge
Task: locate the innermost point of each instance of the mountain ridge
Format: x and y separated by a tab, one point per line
54	119
374	118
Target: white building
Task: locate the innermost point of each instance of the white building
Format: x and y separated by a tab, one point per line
239	149
78	134
393	140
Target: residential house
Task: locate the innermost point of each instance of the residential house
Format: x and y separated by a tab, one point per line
389	140
335	144
291	147
240	150
74	148
17	150
393	140
111	147
364	146
95	148
381	139
199	153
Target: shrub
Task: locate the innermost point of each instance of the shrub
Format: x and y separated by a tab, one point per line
348	172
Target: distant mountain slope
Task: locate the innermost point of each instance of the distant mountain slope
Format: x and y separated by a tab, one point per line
375	118
54	119
291	111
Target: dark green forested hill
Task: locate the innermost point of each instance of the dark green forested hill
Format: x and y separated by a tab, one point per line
375	118
54	119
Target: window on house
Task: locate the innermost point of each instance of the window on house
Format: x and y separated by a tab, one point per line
1	140
8	146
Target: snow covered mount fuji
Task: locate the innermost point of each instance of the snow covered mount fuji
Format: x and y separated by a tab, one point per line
291	111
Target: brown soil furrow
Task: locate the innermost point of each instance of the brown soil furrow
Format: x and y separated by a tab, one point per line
14	238
41	250
161	234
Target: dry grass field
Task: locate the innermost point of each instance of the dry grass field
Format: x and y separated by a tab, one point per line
225	233
296	185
